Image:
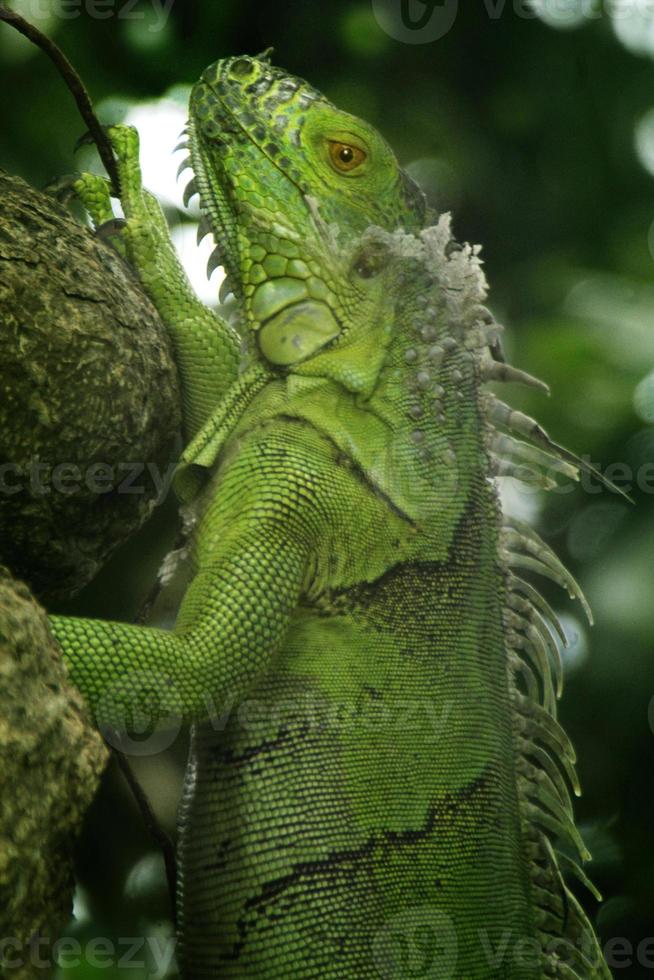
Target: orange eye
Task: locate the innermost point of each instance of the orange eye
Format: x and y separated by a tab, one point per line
345	157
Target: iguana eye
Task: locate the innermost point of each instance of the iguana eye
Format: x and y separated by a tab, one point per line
345	157
242	67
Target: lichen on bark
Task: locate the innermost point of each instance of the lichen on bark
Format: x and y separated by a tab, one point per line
89	397
51	759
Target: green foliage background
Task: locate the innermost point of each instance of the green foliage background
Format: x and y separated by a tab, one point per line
529	133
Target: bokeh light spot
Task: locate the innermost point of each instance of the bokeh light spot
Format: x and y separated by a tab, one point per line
361	33
644	398
644	140
633	25
565	14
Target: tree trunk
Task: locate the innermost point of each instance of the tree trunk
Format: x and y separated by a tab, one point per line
51	759
89	410
89	401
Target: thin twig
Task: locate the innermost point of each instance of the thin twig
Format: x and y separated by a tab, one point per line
156	830
75	85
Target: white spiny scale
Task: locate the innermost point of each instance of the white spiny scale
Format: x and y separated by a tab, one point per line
184	165
225	290
539	724
537	756
535	655
506	446
215	260
204	228
540	626
556	787
540	567
532	610
503	415
518	585
483	314
567	863
183	143
536	648
538	629
492	370
520	666
550	758
190	189
522	542
553	817
527	475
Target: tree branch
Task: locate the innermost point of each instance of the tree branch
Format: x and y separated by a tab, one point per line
75	85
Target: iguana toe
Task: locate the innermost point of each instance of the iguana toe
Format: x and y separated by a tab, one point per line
94	191
63	188
110	228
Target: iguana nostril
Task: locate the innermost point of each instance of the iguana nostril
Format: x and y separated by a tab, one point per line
242	67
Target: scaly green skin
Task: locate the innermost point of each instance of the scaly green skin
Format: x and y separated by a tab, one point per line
378	801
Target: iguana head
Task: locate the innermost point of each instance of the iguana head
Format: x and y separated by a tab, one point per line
288	181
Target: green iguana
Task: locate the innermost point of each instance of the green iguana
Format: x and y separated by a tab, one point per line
385	795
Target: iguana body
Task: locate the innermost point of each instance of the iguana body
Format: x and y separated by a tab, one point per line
380	798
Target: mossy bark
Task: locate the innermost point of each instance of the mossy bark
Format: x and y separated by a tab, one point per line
51	759
89	411
89	400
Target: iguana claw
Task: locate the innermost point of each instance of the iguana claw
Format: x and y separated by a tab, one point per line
110	228
87	139
63	188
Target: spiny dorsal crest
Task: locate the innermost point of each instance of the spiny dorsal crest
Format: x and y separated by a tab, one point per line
519	447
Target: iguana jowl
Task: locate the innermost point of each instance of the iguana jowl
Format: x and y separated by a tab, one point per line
384	795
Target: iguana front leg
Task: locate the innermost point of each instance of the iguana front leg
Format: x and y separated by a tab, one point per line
252	555
206	346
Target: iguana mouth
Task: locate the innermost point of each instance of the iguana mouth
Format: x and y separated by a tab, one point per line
218	217
233	153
